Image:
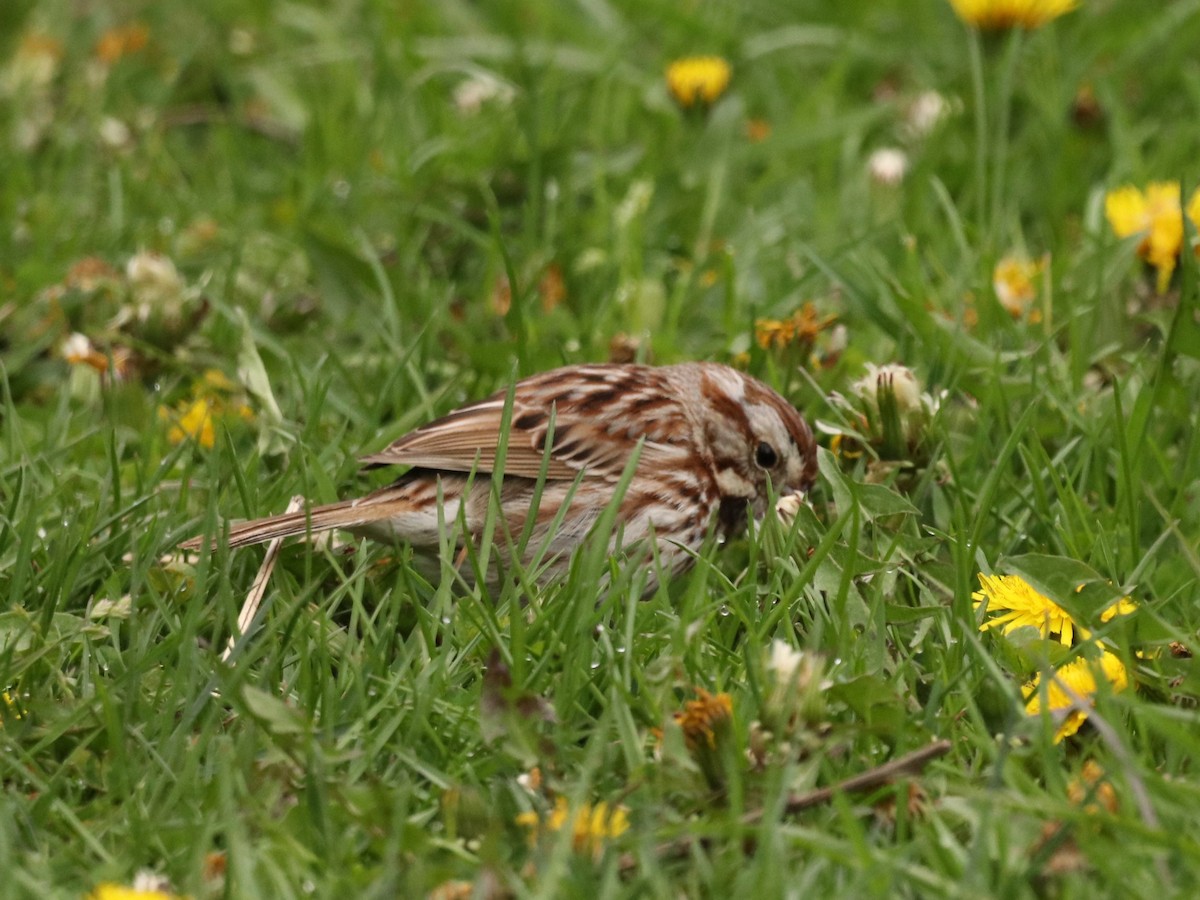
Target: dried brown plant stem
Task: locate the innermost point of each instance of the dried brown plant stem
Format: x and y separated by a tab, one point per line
909	764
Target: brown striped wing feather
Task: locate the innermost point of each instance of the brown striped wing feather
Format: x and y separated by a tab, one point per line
587	436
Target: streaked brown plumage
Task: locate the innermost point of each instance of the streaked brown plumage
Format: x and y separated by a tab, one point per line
711	440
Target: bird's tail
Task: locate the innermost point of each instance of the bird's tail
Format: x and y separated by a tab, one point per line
343	514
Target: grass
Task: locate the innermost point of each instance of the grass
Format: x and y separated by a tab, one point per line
357	254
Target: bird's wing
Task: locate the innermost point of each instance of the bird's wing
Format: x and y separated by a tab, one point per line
599	415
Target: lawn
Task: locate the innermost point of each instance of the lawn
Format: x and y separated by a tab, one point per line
243	244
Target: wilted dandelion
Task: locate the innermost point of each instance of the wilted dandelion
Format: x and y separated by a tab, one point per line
78	350
925	112
704	718
888	166
1086	111
454	889
471	94
899	380
1022	606
757	130
1015	282
198	236
784	661
624	348
1092	790
1001	15
698	81
91	273
531	781
1080	678
591	826
1156	215
801	329
242	42
153	279
707	725
896	411
124	40
796	695
27	82
114	134
33	65
552	287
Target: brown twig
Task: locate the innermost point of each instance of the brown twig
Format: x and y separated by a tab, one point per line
909	764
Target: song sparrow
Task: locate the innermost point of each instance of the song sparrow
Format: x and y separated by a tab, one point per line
711	440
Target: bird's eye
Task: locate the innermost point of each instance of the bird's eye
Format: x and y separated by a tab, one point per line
765	455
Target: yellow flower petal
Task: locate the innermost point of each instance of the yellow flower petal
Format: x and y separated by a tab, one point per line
1122	607
1126	211
1156	214
698	80
998	15
110	891
1025	606
1080	678
703	717
1193	208
195	423
590	824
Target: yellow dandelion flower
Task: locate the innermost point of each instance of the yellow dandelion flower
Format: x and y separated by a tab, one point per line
1025	607
698	80
1122	607
1080	678
110	891
214	398
1156	215
844	447
1126	211
770	333
590	825
215	380
1193	208
147	885
196	423
1001	15
9	707
1014	281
